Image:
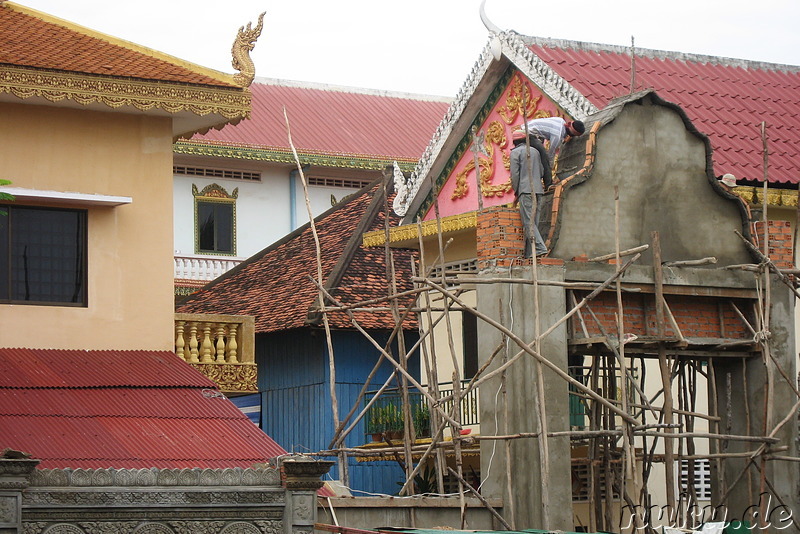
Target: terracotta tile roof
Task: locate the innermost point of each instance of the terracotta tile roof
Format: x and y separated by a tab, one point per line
726	99
335	121
121	409
274	284
32	39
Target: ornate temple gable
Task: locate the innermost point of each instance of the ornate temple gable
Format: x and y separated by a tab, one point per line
514	49
456	187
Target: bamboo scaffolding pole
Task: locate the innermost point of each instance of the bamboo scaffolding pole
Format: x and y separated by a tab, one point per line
523	281
408	423
455	422
627	437
331	361
666	380
621	253
433	380
506	414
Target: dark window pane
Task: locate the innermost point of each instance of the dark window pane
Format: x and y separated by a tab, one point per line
224	227
4	258
44	255
469	325
205	225
215	227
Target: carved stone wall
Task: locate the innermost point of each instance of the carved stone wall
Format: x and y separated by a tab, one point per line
153	501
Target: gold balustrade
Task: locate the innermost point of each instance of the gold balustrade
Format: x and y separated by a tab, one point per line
222	347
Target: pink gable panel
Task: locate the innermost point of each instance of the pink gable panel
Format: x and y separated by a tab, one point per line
459	192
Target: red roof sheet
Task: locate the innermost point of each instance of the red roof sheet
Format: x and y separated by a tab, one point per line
121	409
335	121
27	40
725	99
274	284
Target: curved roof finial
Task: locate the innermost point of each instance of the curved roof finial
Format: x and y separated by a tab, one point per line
486	22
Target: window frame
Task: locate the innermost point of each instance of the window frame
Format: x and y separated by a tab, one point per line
214	194
83	254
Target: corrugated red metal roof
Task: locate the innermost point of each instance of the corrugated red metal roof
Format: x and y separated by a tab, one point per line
32	39
335	121
121	409
725	99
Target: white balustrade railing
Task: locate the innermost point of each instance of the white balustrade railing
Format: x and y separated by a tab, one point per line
197	267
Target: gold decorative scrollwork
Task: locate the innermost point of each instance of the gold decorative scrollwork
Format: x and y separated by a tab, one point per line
518	102
495	135
214	191
518	94
240	378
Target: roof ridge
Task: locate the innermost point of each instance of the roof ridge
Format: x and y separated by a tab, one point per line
552	42
321	86
116	41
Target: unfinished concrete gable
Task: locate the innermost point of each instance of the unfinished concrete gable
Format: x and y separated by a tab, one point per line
646	149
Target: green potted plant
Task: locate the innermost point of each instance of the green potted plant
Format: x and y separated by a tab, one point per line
422	420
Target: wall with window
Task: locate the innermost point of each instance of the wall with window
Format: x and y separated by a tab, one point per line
269	203
102	277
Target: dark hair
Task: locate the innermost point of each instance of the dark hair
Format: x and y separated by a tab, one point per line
579	127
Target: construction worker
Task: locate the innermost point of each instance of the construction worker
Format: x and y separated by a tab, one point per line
528	177
555	130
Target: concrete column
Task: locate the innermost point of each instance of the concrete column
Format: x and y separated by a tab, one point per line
302	480
513	306
14	478
737	405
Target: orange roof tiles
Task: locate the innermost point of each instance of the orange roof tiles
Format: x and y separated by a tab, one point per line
725	99
275	284
28	40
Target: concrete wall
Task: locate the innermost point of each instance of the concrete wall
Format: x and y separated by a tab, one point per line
130	301
513	306
266	210
412	512
660	170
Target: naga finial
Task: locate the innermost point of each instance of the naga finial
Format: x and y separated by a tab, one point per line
242	46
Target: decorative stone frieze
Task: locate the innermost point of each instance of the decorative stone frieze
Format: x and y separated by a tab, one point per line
304	473
15	474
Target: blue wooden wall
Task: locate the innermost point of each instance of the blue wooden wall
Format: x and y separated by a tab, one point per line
293	378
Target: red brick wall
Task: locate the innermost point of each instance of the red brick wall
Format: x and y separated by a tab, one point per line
781	250
696	316
500	239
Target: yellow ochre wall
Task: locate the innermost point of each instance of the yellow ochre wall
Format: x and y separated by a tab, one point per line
130	294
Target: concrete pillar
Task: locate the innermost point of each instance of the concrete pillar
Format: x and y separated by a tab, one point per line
15	475
302	480
737	405
513	306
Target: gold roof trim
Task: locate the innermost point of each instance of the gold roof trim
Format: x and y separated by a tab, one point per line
409	232
775	197
24	83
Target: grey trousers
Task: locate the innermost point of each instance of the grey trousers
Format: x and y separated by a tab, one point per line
525	208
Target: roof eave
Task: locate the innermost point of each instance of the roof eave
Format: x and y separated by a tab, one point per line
193	107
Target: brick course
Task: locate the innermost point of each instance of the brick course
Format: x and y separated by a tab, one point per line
701	317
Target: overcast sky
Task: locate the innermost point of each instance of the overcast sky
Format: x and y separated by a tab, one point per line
427	46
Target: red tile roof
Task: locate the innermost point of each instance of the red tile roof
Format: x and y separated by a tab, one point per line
335	121
121	409
274	284
726	99
32	39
